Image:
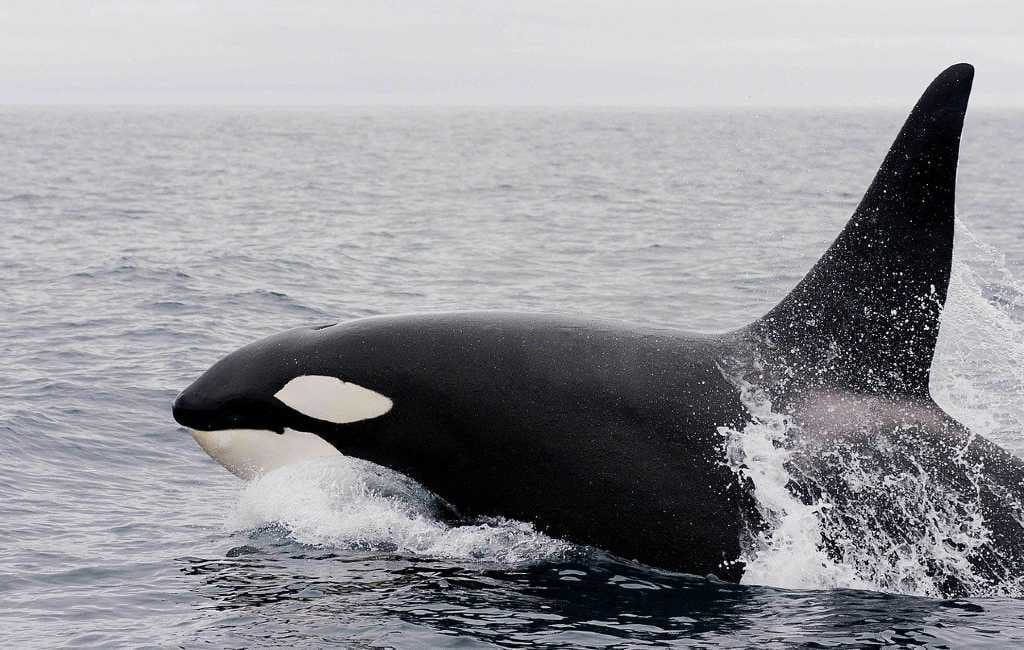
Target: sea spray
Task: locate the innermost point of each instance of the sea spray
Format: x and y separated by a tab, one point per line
978	370
900	508
340	502
788	551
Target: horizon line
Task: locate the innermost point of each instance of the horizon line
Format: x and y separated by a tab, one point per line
477	106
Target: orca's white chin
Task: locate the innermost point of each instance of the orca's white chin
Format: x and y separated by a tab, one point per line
250	453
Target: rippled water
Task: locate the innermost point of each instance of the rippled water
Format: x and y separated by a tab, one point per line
141	245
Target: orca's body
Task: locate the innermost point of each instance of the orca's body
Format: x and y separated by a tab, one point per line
585	428
609	434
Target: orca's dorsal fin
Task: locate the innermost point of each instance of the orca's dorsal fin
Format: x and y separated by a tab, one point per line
866	317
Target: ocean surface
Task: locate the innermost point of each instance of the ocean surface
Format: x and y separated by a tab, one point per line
141	245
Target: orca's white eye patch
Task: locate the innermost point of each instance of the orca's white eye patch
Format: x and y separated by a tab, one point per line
333	400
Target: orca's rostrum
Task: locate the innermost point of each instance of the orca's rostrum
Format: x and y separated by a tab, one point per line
609	434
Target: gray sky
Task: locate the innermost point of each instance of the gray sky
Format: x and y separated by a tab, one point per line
549	52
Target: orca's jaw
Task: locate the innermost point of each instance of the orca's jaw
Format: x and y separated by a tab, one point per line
251	453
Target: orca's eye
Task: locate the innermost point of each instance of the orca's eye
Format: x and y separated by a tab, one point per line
333	400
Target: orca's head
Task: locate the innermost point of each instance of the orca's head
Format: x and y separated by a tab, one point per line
288	397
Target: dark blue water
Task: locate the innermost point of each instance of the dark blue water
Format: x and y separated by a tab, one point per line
141	245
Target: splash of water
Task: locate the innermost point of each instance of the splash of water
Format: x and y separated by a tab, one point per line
978	371
340	502
888	518
789	551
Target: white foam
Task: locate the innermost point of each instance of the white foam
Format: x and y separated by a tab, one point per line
789	553
342	502
947	526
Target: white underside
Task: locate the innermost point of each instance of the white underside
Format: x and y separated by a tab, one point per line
250	453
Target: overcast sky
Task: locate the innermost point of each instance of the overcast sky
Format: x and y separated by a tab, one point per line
510	52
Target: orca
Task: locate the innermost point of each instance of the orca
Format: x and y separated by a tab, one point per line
609	434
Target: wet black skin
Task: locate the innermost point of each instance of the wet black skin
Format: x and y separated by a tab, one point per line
609	434
583	428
